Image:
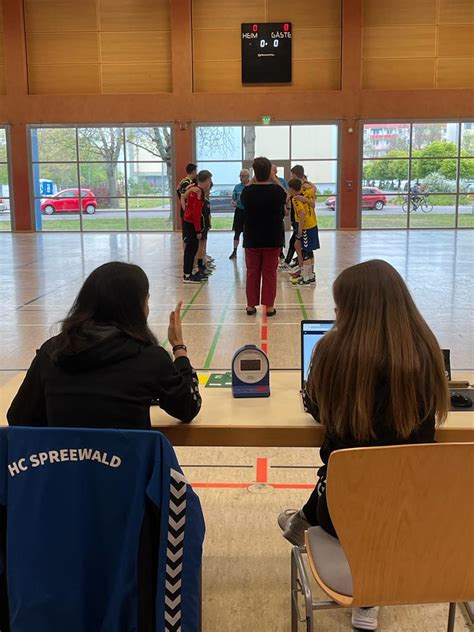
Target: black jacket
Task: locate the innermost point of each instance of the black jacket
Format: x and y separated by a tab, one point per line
264	212
109	384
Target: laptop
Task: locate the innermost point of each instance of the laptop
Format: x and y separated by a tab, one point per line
311	332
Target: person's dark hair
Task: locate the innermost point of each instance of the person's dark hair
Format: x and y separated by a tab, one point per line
262	169
298	170
190	167
295	184
204	175
114	294
380	338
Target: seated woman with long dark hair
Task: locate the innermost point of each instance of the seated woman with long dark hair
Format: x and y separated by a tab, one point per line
377	378
105	367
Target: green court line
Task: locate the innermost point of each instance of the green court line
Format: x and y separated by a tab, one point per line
300	301
186	310
210	355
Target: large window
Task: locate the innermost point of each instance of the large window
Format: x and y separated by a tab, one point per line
120	177
5	216
225	149
418	175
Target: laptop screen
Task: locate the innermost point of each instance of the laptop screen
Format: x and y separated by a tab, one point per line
311	332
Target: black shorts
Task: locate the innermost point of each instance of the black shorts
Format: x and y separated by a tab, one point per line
238	223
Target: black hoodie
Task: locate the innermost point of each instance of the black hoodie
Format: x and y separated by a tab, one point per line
108	384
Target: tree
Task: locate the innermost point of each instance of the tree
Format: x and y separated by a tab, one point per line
249	142
155	141
215	141
103	143
426	134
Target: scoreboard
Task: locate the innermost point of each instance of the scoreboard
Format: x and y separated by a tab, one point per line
266	52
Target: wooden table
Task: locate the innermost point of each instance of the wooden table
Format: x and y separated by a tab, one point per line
276	421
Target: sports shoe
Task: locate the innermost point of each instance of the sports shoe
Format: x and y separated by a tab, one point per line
233	255
194	278
294	263
302	281
209	258
293	524
295	280
365	618
283	266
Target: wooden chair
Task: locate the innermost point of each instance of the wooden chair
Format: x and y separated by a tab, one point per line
405	520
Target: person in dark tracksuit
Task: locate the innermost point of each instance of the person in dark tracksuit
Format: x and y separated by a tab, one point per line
106	367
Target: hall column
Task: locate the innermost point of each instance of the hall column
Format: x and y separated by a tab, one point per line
351	134
17	92
182	58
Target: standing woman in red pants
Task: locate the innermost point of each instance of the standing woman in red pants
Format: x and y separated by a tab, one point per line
264	204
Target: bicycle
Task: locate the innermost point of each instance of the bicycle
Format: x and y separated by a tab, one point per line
416	202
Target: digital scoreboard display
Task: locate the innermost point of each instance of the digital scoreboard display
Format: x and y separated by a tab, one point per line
266	52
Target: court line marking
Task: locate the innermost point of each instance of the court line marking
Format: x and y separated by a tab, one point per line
243	485
264	330
210	355
301	302
186	310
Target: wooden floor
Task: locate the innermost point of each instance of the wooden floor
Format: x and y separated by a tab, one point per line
246	565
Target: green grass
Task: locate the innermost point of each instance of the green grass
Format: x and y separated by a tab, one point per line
424	220
109	224
225	223
5	225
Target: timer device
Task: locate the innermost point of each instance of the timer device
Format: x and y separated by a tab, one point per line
250	373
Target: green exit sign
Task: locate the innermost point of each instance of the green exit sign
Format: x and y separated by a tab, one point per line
266	120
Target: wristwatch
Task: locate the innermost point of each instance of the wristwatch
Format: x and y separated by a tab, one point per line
179	348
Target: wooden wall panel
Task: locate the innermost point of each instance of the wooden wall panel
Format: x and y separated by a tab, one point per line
226	14
128	43
135	46
3	82
65	79
398	42
391	12
134	15
44	49
404	74
456	12
60	16
217	45
455	73
432	36
316	43
456	41
136	78
302	13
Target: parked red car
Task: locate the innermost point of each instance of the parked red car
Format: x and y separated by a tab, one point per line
371	198
67	201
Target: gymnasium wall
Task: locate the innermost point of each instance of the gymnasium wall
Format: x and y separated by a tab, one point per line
177	62
316	26
409	45
2	56
98	46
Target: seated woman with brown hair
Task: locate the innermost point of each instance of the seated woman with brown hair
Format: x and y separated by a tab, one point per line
377	378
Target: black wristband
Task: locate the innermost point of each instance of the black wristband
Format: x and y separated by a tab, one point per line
179	347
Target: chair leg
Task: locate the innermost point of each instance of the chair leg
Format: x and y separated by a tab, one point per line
293	594
451	617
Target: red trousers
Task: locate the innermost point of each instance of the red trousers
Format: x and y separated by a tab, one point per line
262	265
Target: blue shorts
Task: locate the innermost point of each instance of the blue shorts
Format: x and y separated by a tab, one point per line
310	239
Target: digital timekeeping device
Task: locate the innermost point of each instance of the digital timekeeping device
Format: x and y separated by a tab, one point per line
266	52
250	373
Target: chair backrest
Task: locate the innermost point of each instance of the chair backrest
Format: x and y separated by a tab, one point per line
405	518
103	531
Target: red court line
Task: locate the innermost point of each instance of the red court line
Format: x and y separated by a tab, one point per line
264	330
262	470
242	485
